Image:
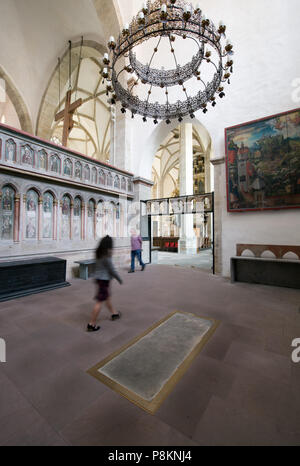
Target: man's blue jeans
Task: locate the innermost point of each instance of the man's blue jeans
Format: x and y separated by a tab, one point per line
138	254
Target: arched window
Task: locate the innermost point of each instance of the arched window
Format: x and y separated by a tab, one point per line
99	225
7	213
10	150
87	173
78	170
101	177
55	164
42	160
48	202
90	219
27	155
68	167
117	182
123	184
66	217
77	218
94	175
32	214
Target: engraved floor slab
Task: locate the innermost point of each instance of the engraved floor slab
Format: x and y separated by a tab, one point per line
146	369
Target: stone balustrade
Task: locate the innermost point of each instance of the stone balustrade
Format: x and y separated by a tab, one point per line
24	153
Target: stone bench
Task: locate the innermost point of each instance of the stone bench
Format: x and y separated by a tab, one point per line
277	270
86	267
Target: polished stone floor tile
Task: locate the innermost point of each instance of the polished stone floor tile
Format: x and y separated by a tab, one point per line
241	389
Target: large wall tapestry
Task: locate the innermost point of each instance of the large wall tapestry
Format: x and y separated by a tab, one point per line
263	163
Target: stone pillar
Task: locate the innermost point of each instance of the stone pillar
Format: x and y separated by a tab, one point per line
113	136
71	220
121	137
95	221
55	215
60	219
219	177
82	220
40	219
142	191
24	216
188	242
17	219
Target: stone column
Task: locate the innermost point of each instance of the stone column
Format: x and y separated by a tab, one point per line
142	191
16	219
188	242
95	221
83	220
24	216
113	136
219	177
71	220
60	219
121	140
40	219
55	214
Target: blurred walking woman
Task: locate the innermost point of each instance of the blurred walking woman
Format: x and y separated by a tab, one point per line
105	272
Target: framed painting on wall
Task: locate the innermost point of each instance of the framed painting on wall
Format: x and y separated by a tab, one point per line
263	163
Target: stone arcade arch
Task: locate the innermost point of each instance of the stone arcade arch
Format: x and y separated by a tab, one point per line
17	102
203	141
158	136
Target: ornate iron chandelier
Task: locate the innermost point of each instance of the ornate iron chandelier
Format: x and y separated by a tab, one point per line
171	21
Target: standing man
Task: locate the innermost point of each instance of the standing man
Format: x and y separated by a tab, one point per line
136	251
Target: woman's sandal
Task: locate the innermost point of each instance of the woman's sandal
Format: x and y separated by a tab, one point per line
93	328
116	316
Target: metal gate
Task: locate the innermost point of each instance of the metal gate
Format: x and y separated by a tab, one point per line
181	205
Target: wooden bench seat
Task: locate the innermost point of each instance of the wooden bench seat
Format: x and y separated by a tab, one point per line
274	271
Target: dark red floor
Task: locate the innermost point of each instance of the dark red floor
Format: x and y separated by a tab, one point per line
243	389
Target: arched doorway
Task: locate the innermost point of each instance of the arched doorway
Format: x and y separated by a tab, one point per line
181	169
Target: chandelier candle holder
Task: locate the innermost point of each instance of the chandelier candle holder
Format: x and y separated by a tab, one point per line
201	80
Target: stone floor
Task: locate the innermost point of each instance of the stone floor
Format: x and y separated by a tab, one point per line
203	260
243	388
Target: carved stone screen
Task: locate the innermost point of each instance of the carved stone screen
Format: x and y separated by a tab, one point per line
7	213
31	214
90	220
99	225
48	216
66	218
77	218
